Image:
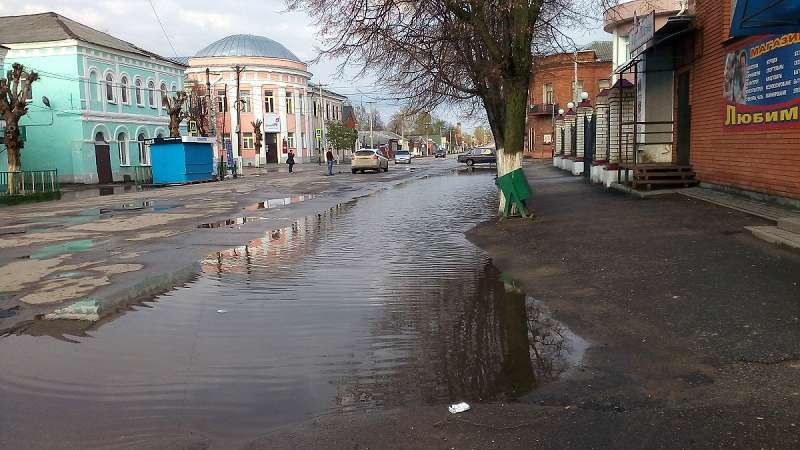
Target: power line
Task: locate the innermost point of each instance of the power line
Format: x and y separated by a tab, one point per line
158	19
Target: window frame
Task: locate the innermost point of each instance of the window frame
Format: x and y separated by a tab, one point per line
246	101
289	104
137	87
222	100
144	150
246	139
290	141
162	89
123	149
269	102
109	88
151	94
125	97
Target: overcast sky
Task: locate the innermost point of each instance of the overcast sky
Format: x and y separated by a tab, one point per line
193	24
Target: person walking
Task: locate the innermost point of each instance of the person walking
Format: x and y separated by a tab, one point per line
329	159
290	161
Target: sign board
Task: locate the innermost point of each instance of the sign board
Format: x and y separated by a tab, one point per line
272	123
229	151
762	83
642	32
318	133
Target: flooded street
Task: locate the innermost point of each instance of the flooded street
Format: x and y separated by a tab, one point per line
377	303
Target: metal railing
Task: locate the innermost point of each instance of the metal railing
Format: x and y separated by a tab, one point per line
143	175
635	140
29	182
546	109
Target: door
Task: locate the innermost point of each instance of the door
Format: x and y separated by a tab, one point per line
589	139
102	156
683	124
271	147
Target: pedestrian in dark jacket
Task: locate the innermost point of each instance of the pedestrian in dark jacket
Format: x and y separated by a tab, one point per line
329	159
290	160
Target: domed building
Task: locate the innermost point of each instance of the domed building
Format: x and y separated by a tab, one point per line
273	86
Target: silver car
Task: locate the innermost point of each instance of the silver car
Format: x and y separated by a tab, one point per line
369	159
402	157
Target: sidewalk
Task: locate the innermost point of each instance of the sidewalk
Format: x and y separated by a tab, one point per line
768	211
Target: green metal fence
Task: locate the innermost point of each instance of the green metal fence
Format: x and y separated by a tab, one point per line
29	182
143	175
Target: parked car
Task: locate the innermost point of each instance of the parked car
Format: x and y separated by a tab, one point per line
402	157
440	153
478	156
369	159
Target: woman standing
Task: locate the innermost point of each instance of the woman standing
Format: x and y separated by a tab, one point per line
290	160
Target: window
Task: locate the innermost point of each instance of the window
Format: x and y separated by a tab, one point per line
163	90
269	102
302	103
222	102
110	87
247	140
151	94
291	140
123	85
93	87
604	84
244	97
576	90
547	94
289	104
327	112
139	99
303	139
122	143
144	150
315	109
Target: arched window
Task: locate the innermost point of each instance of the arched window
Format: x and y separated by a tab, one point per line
163	92
144	150
139	99
122	142
100	138
151	94
93	87
110	87
123	85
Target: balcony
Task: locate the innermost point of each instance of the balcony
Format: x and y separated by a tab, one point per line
542	109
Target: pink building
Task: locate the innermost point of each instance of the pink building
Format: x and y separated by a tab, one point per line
273	87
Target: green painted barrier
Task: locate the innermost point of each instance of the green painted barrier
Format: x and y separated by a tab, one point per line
516	190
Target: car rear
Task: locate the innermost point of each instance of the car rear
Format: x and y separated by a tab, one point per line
365	159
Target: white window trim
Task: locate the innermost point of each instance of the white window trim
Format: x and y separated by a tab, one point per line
126	149
142	91
124	87
113	88
144	150
151	91
162	91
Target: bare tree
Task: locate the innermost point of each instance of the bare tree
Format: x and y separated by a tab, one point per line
197	108
174	107
257	135
475	52
14	92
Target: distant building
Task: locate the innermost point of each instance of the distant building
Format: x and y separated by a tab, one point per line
327	108
553	87
104	95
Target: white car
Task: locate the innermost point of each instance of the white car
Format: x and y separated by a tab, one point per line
402	157
369	159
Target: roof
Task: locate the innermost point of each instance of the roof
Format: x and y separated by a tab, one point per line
49	26
313	89
603	50
182	60
247	45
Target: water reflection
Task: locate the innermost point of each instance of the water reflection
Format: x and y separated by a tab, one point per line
372	304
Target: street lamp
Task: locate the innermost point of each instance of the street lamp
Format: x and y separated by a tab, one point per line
584	95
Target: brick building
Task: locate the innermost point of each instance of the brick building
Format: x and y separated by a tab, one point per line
728	106
553	86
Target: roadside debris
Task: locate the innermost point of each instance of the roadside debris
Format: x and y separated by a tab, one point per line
88	310
457	408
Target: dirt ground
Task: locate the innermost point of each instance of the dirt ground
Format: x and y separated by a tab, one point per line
694	328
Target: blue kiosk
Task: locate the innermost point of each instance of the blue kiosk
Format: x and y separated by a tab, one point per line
186	159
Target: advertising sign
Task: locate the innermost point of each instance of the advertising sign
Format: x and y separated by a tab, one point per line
642	32
762	83
272	123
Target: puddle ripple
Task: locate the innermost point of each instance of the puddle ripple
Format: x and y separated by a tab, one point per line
374	304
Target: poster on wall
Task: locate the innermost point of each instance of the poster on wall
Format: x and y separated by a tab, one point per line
762	83
272	123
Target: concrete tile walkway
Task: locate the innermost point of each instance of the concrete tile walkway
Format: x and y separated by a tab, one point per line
757	208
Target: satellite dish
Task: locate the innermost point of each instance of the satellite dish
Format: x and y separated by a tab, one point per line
46	101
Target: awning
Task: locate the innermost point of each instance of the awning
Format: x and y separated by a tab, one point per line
675	27
751	17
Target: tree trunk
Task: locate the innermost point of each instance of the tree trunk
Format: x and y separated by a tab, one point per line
13	149
512	132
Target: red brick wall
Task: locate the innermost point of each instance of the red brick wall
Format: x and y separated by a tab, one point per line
759	160
558	70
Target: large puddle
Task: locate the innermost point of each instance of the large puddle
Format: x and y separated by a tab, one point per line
378	303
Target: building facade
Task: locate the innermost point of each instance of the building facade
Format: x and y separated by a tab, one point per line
553	87
104	97
326	106
273	86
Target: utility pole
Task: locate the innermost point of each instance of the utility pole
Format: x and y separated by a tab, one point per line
575	93
371	132
239	69
212	126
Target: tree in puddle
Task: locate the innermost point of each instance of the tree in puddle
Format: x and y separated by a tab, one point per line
477	54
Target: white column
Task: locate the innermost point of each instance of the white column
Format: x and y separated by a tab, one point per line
309	130
284	124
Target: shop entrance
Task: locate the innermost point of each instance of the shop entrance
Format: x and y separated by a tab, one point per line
271	147
684	120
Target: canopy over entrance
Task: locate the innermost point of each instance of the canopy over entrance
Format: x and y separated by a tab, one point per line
751	17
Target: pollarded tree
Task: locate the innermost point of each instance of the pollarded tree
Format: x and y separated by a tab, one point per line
197	108
14	92
430	52
174	107
257	135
